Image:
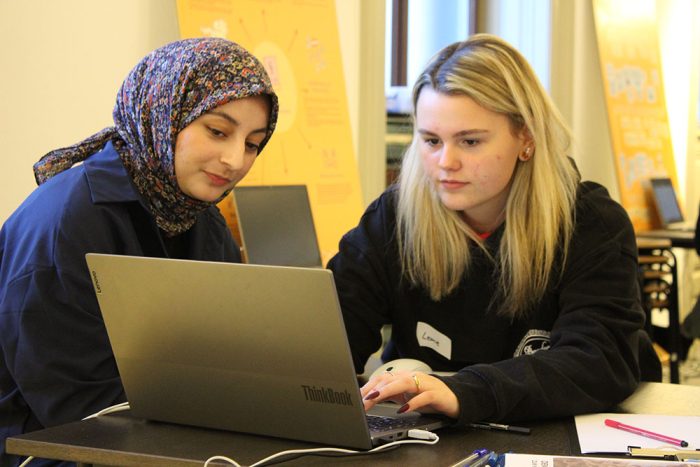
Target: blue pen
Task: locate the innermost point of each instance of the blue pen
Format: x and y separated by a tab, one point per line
500	460
482	460
478	453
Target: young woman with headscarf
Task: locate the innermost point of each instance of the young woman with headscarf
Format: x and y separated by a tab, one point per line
190	119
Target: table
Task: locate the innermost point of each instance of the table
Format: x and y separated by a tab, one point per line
119	439
678	238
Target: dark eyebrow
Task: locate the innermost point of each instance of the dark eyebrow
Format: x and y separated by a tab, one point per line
232	120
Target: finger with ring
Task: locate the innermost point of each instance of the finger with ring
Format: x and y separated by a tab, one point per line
417	381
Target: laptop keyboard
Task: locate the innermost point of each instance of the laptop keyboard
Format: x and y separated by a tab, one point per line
378	423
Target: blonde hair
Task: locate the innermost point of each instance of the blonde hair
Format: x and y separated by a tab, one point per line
434	242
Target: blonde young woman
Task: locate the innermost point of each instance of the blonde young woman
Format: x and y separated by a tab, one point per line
490	258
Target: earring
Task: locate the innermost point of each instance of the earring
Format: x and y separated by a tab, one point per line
526	156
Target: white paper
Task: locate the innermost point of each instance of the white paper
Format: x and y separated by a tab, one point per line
537	460
594	436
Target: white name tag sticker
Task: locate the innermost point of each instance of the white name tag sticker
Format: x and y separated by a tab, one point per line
430	337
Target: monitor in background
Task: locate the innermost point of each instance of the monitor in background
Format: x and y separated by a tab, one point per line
276	225
666	202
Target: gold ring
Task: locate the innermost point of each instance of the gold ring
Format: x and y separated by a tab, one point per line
417	381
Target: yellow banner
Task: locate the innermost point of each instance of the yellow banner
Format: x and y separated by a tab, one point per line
630	60
297	42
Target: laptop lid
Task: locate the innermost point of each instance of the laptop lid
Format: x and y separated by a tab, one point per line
276	225
248	348
666	202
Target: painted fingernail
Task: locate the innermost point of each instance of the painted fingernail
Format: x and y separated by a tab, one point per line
372	395
402	409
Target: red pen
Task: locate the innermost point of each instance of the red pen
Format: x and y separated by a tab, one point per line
645	433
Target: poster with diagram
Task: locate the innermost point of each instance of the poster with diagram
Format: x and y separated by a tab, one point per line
630	61
297	41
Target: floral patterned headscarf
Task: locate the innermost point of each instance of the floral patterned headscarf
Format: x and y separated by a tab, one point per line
164	93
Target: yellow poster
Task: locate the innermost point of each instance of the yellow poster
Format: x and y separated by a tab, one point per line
297	42
630	60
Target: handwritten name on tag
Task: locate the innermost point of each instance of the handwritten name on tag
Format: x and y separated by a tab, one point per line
430	337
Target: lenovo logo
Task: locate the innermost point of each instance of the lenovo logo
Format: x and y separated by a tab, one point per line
98	289
326	395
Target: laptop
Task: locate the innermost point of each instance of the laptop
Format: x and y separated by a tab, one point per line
249	348
667	206
276	225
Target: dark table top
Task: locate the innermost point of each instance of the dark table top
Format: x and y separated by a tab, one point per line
678	238
119	439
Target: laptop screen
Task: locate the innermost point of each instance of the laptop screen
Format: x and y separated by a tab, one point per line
276	225
666	201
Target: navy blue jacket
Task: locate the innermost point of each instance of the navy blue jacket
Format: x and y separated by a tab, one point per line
56	363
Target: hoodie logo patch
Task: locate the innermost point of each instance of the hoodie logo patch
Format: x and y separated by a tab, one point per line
533	341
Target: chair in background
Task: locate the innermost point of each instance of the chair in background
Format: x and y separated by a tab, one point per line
659	288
